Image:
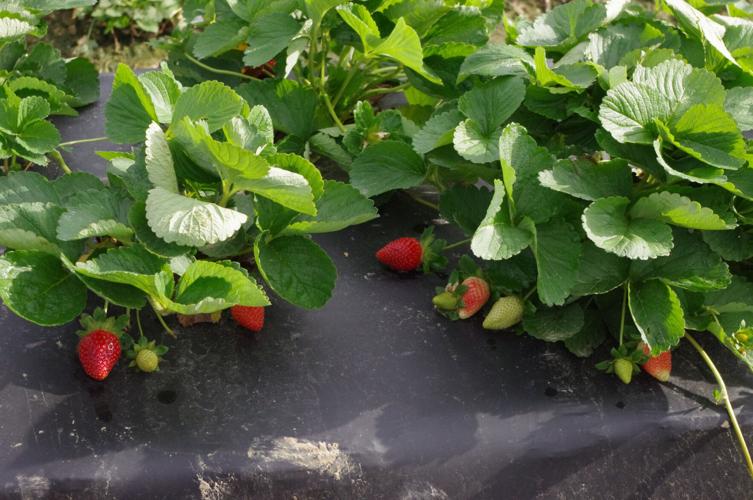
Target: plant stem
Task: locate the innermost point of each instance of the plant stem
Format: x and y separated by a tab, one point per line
106	307
386	90
528	295
164	325
386	69
424	202
727	402
348	78
82	141
332	113
622	314
457	244
219	71
61	162
138	322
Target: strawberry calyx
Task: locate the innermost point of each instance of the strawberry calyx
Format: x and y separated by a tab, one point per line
624	362
99	320
432	258
145	355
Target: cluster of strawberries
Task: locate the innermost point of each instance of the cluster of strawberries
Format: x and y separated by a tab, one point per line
102	339
463	300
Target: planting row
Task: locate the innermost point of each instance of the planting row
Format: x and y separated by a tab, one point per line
596	161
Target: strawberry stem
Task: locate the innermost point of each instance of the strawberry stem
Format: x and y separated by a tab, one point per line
457	244
61	161
218	70
81	141
424	202
727	402
622	314
164	325
529	294
138	323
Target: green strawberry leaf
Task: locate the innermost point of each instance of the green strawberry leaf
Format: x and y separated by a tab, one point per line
565	78
591	335
159	160
188	221
664	93
129	110
554	324
325	145
557	248
739	104
490	104
496	238
206	287
696	24
145	235
437	132
599	271
255	132
163	90
213	102
608	224
269	35
32	226
496	60
27	187
36	286
709	134
134	266
289	189
587	180
293	107
225	33
657	314
385	166
735	245
473	144
93	213
465	206
678	210
232	163
564	26
297	269
340	206
692	265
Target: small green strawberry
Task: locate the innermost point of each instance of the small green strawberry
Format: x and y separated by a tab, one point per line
505	313
446	301
146	355
147	360
624	362
623	368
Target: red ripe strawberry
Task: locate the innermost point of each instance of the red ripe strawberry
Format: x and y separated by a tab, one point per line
98	352
250	318
99	348
474	297
659	366
402	255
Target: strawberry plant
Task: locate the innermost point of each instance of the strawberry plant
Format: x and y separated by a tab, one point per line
597	163
329	55
204	188
36	83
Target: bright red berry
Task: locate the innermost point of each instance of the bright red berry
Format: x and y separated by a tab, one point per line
474	297
98	352
402	255
250	318
659	366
